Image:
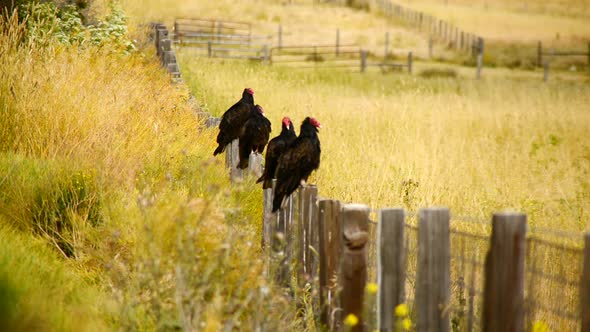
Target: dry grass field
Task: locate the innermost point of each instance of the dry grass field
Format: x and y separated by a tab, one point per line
112	207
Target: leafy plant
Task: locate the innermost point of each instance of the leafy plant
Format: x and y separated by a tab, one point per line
48	24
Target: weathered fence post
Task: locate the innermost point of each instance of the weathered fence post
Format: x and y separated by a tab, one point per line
585	286
280	243
391	259
337	42
433	273
314	236
589	55
353	263
386	54
280	41
236	174
265	54
479	64
329	227
307	197
540	54
267	215
176	33
161	34
503	308
363	60
410	62
546	71
209	50
430	46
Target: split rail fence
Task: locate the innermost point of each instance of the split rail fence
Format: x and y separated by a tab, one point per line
333	56
542	54
459	273
234	40
221	39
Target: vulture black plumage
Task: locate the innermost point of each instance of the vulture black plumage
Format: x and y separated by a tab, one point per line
233	120
254	135
275	148
297	163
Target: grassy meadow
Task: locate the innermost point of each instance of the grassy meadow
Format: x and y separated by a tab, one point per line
112	207
400	140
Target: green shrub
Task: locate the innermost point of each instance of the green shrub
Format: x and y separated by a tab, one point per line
50	198
48	24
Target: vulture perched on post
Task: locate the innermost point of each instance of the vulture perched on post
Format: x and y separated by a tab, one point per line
233	120
254	135
275	148
297	163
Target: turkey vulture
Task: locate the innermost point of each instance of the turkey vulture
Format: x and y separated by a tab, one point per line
254	135
297	163
276	147
233	119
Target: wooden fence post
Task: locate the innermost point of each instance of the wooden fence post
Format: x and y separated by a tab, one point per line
353	263
391	260
329	227
280	41
280	243
363	60
503	308
209	49
433	273
585	286
410	62
386	54
233	148
430	46
267	215
265	54
540	54
161	34
306	202
337	42
589	55
314	237
546	71
479	64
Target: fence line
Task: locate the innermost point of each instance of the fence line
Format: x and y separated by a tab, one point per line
331	244
430	261
438	29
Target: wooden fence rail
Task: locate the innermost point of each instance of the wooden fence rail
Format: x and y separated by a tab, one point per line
541	54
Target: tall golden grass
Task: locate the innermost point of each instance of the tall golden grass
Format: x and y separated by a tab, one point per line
85	128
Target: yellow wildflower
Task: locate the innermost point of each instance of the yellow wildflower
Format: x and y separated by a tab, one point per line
401	310
372	288
406	324
351	320
540	326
